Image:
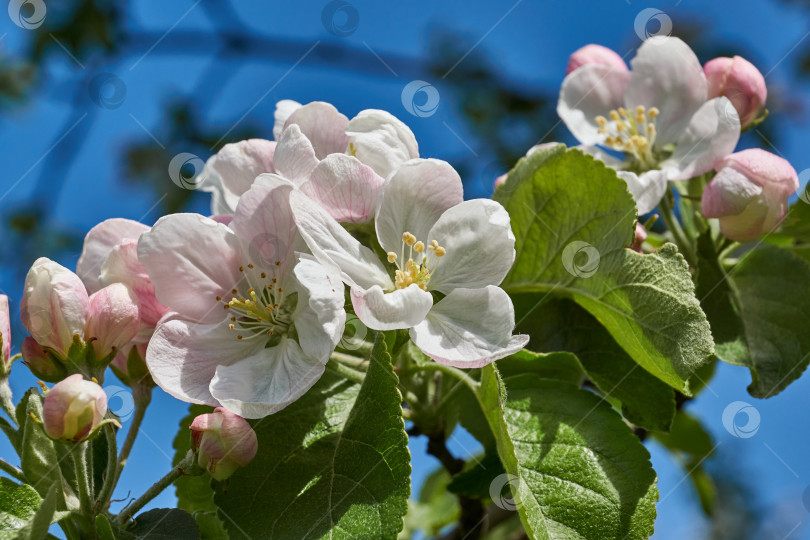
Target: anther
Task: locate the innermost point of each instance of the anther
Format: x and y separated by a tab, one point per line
392	256
419	247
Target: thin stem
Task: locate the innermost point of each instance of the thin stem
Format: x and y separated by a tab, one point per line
155	490
142	397
471	383
11	470
111	476
675	228
726	249
345	371
79	452
6	401
350	360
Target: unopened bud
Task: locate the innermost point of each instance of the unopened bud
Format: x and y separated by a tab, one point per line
5	337
113	319
73	409
742	83
222	442
595	54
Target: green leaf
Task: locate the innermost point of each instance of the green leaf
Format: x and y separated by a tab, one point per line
797	220
39	460
10	432
37	527
771	288
164	523
476	478
18	505
713	289
334	463
573	219
562	366
563	325
574	467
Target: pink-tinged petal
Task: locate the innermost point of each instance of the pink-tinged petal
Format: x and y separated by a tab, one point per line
595	54
123	266
265	222
639	236
666	74
333	246
113	321
479	244
223	201
712	134
73	408
98	244
741	82
346	188
381	141
647	188
295	157
323	125
728	193
396	310
756	219
320	316
267	381
414	198
40	362
590	91
183	356
55	305
5	333
225	219
192	260
469	328
238	164
223	442
284	109
764	168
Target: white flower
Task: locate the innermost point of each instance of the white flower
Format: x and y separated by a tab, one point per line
440	249
255	322
656	115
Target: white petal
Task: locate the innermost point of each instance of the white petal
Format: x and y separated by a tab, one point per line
396	310
284	109
295	157
183	356
346	188
98	244
469	328
712	134
479	244
413	199
191	260
333	245
238	164
647	189
381	141
323	125
601	155
590	91
666	74
266	382
320	317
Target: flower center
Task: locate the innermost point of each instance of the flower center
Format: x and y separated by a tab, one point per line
632	132
410	272
264	309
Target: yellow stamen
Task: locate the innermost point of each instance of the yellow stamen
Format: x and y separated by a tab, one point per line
392	256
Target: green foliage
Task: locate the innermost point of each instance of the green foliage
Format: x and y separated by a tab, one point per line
163	524
18	505
646	302
334	462
39	460
574	468
37	527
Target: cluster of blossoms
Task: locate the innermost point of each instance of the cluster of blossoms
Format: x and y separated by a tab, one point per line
669	119
242	310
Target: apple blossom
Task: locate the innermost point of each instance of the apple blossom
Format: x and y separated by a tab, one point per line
222	442
657	116
435	242
73	409
749	194
60	316
253	323
595	54
5	337
737	79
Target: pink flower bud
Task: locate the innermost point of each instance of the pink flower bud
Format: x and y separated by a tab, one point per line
749	194
113	320
55	305
640	236
73	408
738	80
41	364
223	442
5	336
595	54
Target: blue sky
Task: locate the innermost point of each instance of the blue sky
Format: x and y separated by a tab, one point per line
528	42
